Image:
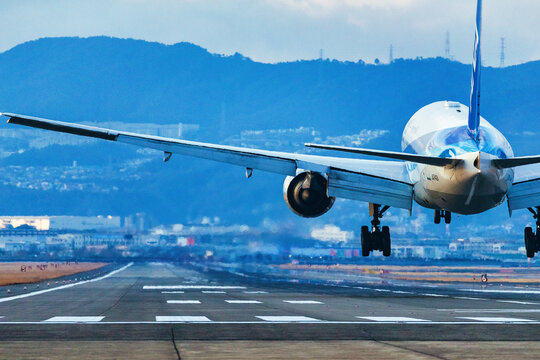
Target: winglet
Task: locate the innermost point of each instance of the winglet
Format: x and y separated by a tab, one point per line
474	108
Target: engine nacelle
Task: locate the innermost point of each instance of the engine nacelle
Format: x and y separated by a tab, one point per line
305	194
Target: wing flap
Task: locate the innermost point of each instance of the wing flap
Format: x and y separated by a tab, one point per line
368	188
524	195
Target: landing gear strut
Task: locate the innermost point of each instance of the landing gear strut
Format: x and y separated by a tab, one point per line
447	215
532	240
379	237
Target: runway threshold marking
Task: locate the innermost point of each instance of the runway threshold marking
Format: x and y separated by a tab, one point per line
191	287
75	319
61	287
287	318
391	319
497	319
183	302
182	319
304	302
243	301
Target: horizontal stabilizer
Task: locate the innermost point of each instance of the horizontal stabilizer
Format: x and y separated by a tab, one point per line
516	161
421	159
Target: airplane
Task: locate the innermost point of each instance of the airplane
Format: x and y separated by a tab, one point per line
452	161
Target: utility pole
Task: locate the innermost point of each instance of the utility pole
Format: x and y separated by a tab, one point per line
391	55
503	46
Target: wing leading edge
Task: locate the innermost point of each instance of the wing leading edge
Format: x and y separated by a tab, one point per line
384	182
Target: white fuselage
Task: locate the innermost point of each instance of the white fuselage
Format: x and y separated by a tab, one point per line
472	186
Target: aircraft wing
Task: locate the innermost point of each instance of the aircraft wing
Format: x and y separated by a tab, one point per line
525	191
381	182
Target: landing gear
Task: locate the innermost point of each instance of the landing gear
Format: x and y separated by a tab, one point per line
532	240
378	238
447	215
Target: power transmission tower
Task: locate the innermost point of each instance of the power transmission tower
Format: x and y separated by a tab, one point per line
447	46
391	55
503	47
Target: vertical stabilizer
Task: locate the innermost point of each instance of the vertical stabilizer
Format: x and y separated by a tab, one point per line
474	108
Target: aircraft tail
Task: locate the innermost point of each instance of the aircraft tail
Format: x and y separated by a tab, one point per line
474	108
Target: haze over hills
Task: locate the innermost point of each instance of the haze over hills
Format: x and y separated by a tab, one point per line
104	79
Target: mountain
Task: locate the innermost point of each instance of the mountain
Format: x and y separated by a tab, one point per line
102	79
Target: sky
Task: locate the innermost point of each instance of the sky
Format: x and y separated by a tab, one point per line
289	30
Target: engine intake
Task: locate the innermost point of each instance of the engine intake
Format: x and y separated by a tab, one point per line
305	194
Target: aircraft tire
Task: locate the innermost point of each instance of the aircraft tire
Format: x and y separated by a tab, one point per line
530	242
366	241
386	243
447	217
437	217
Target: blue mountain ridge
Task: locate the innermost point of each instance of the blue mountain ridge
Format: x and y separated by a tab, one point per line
102	79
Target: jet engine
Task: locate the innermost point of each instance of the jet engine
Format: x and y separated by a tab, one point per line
305	194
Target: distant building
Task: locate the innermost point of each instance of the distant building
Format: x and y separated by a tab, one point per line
43	223
332	233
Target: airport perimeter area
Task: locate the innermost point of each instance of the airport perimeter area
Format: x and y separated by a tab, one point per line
163	310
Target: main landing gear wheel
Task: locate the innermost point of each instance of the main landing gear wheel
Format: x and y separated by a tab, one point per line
439	214
377	238
532	240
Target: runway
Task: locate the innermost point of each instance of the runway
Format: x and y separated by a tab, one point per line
160	301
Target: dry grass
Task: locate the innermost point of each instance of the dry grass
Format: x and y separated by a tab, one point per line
31	272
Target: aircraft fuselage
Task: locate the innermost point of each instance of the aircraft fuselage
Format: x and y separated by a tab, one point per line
471	186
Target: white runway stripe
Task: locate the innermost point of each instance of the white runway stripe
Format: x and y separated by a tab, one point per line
495	319
75	319
183	302
470	311
434	295
391	319
255	292
243	301
504	291
64	286
182	319
213	292
287	318
191	287
307	302
468	298
172	292
518	302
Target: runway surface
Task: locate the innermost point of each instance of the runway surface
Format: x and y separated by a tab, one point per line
147	307
147	301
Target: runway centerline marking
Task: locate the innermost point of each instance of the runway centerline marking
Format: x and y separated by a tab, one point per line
255	292
304	302
391	319
172	292
243	301
287	318
61	287
182	319
183	302
191	287
434	295
213	292
75	319
496	319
